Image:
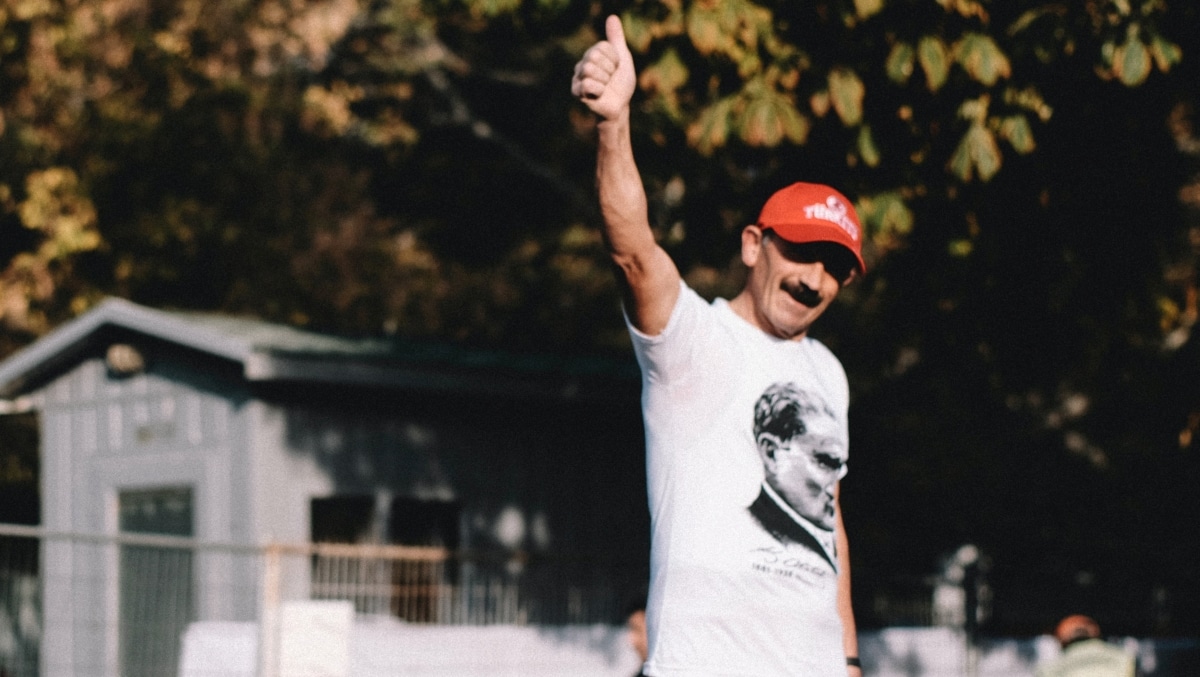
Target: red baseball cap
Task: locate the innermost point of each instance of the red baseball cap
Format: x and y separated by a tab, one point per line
812	212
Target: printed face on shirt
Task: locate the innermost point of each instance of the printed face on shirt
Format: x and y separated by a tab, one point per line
802	452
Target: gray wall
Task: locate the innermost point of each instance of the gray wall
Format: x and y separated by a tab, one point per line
176	425
558	478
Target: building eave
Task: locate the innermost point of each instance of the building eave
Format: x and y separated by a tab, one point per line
74	337
269	353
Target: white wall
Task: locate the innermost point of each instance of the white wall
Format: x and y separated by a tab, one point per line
380	646
385	647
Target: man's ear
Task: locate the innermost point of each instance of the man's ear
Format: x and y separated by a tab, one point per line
752	244
766	448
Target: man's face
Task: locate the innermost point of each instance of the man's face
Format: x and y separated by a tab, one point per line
804	469
792	284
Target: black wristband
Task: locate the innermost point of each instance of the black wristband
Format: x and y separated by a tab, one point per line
853	662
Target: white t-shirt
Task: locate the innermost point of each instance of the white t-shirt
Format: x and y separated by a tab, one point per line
733	591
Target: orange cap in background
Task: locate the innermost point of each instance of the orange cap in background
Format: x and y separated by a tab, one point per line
1076	627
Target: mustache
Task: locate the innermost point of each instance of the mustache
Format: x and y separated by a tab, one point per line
802	293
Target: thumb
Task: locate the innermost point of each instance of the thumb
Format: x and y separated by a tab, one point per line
615	34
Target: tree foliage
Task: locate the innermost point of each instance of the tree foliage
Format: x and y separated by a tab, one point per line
1025	171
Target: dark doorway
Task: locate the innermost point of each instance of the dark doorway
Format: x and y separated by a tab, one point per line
156	582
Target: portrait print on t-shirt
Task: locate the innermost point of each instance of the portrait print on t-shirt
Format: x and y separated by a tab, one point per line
803	457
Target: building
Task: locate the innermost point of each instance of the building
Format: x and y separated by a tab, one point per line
233	431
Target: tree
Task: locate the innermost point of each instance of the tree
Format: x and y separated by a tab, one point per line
990	350
418	168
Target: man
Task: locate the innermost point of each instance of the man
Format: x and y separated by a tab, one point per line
1085	654
727	597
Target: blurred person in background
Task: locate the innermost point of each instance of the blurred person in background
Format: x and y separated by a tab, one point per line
635	626
1085	654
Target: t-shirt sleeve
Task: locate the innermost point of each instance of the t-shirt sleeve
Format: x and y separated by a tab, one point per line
666	356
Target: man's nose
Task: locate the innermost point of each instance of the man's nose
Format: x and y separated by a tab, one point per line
811	274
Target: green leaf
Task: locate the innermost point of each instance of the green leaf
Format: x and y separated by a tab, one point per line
960	164
935	61
966	8
704	29
867	8
977	154
960	249
867	149
1107	50
668	74
765	117
1135	63
663	79
1131	59
1168	312
886	217
1031	100
1032	16
58	206
710	130
984	152
749	65
491	8
795	125
760	124
26	10
900	61
1016	130
735	28
639	32
982	58
1165	53
846	91
896	217
819	103
975	110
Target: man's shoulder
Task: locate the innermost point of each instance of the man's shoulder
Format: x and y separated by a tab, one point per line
689	311
819	349
691	302
829	367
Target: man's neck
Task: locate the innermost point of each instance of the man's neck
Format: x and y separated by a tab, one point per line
743	306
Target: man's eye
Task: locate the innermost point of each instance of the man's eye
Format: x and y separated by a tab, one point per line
837	261
800	253
840	272
829	462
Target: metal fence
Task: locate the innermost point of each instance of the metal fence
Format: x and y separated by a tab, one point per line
90	605
20	606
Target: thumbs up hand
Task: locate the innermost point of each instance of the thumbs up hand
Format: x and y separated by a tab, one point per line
604	78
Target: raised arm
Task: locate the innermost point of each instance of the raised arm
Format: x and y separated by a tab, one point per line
605	80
